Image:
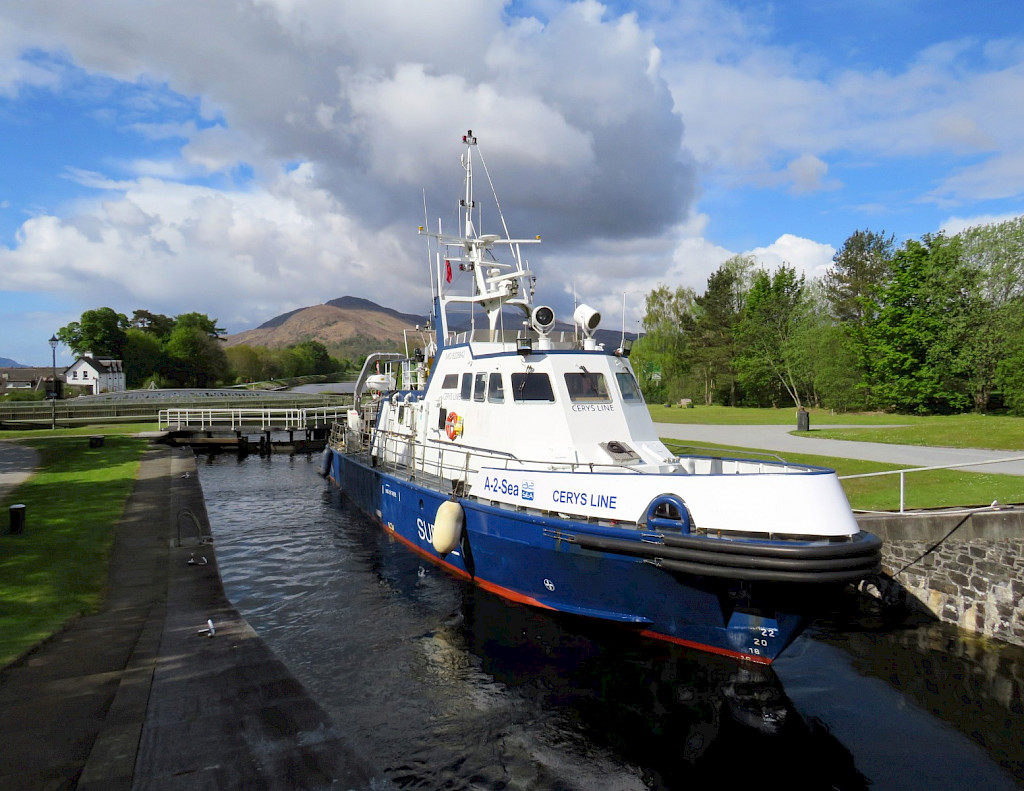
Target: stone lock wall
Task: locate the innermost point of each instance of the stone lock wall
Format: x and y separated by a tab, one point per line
965	569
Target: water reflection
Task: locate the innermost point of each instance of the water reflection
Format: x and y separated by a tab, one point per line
440	684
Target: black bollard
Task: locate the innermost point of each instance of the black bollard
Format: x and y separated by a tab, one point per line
17	520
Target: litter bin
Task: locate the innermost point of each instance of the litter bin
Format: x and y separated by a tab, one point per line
96	442
17	520
803	420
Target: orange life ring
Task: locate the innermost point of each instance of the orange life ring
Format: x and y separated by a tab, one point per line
453	425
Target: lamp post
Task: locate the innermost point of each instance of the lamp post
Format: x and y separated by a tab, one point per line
53	400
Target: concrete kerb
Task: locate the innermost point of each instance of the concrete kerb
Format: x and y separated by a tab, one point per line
136	697
223	711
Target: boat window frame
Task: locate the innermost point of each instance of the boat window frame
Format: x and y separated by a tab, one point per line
495	392
520	379
578	382
479	386
451	382
620	377
466	392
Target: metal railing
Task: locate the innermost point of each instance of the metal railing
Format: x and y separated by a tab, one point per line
403	453
903	473
75	411
264	419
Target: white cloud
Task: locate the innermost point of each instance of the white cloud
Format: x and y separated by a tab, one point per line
581	111
170	247
955	225
805	255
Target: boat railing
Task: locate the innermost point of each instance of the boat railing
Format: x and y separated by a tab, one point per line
559	340
677	449
402	453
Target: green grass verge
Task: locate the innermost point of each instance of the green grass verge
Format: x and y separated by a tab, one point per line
995	432
753	416
57	569
934	489
104	429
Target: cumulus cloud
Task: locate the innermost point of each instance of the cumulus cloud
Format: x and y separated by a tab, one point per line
328	119
240	256
754	109
297	137
805	255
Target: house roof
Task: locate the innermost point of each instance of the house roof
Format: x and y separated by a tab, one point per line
25	374
100	365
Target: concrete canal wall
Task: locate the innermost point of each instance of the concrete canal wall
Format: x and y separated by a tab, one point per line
965	568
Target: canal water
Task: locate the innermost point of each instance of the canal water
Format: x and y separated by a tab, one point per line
441	685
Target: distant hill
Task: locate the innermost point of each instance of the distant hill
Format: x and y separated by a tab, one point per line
7	362
348	327
351	326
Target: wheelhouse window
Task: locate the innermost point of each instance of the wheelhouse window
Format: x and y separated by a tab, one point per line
586	386
495	389
479	387
532	387
451	382
467	386
628	387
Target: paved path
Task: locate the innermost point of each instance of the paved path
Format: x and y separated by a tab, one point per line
134	697
780	440
17	463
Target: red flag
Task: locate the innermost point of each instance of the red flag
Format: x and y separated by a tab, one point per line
448	270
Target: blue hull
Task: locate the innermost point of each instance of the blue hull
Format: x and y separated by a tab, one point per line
521	557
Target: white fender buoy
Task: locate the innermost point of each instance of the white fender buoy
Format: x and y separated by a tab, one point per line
447	526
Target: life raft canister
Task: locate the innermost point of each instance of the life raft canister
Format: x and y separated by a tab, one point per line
668	512
447	527
453	426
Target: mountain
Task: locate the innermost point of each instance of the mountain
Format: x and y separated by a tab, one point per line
348	327
351	326
7	362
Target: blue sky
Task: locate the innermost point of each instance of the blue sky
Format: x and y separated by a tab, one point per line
280	158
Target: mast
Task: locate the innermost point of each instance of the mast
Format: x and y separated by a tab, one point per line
494	283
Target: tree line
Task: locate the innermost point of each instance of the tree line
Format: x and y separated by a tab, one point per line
187	351
934	326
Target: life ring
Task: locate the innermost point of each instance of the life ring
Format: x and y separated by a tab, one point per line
453	426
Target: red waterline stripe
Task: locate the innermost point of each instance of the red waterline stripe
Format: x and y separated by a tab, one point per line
508	593
504	592
512	595
711	649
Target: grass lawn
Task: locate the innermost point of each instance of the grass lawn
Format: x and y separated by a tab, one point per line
107	430
753	416
935	489
995	432
58	567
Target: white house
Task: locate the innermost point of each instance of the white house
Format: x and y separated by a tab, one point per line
103	376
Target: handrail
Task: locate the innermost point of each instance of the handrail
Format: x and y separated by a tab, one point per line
398	450
235	419
902	473
674	445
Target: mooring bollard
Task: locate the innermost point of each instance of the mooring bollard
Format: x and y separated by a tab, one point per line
17	520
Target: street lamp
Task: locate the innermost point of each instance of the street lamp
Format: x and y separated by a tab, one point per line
53	401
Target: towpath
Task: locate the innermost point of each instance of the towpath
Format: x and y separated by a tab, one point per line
779	440
17	463
138	695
